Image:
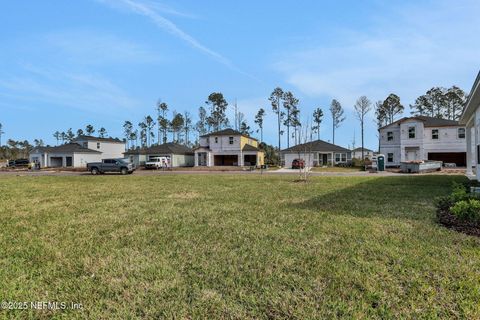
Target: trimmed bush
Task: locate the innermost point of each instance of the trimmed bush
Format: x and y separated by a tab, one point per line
468	210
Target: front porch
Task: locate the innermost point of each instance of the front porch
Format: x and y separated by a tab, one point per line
206	158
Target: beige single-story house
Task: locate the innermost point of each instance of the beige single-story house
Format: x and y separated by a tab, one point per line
471	120
82	150
367	153
178	154
316	153
67	155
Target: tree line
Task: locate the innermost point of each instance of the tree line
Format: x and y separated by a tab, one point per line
172	126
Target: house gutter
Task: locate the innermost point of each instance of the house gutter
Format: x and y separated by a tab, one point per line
472	102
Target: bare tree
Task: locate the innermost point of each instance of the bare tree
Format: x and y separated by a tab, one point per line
303	140
362	107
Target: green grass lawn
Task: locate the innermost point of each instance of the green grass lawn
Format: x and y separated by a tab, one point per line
336	169
234	246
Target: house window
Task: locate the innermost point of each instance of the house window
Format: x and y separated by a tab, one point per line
435	134
85	144
389	136
389	157
461	133
230	140
216	139
98	145
340	157
411	132
478	154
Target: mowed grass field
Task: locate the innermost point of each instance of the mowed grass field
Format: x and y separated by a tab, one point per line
234	247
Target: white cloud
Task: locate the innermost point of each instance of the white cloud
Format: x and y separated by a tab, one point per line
93	47
145	8
84	91
419	47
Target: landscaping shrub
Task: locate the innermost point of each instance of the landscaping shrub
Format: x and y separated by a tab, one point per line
467	209
460	210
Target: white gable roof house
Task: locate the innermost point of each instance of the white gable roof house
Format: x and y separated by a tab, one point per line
422	138
78	153
471	120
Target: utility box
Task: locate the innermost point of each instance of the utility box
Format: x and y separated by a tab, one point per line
380	162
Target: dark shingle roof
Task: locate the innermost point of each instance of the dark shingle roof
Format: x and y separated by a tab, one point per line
166	148
317	145
227	132
249	147
428	121
92	138
360	149
65	148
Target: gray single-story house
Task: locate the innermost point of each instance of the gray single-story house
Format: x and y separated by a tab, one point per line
67	155
316	153
178	155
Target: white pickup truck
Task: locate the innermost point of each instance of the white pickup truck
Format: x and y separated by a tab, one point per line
157	163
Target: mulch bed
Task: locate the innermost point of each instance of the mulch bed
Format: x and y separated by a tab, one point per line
449	220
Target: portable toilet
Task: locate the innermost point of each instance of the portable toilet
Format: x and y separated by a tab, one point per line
380	162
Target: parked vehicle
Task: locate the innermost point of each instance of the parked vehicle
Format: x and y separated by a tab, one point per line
298	164
157	163
110	165
18	163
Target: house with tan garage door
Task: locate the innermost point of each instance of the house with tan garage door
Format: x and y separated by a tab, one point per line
228	147
423	138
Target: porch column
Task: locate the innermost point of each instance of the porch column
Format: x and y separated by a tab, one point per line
45	160
469	150
477	142
332	160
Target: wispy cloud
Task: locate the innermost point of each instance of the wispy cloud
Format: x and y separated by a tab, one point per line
88	92
145	8
89	47
427	45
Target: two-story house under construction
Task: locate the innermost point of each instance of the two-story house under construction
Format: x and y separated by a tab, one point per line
423	138
228	148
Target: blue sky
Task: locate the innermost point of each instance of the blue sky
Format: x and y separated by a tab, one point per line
70	63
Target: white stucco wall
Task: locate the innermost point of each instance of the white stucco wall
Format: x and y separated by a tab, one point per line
79	160
448	141
222	145
108	149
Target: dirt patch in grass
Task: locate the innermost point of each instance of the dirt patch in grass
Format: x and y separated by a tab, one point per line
449	220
